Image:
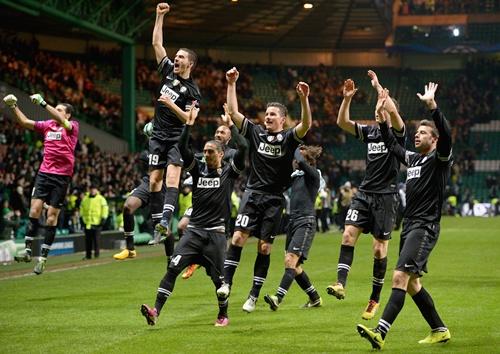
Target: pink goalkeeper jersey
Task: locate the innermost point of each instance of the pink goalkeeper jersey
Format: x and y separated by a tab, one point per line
59	147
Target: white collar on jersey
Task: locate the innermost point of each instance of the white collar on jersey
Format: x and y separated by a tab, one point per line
322	182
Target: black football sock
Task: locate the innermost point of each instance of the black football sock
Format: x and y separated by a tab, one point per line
285	283
425	304
391	311
379	269
345	260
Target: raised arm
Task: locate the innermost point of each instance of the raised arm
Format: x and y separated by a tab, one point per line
305	118
232	100
58	116
239	158
444	143
396	120
186	152
343	119
389	139
236	137
11	102
160	52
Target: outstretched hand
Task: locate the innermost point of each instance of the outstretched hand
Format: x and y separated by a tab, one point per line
428	96
302	89
226	117
349	88
380	109
162	8
374	80
232	75
192	114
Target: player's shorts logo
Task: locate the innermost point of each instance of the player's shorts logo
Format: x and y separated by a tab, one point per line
270	150
204	182
413	172
377	148
54	136
169	92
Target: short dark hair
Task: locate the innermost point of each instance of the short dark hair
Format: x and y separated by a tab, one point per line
217	144
429	123
281	107
68	108
191	56
311	153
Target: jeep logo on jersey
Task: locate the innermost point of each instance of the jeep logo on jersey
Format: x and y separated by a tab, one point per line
54	136
413	172
271	150
204	182
377	148
169	92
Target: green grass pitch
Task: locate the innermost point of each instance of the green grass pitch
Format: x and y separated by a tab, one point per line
93	307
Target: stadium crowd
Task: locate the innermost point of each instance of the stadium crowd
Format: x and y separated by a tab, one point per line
20	158
61	77
440	7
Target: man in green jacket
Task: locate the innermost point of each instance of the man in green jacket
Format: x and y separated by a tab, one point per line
94	210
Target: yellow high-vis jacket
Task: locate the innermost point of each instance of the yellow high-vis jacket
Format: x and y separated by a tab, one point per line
93	210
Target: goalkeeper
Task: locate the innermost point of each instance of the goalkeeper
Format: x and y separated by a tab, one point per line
60	135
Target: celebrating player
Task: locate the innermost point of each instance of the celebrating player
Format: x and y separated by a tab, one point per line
224	134
138	198
204	241
60	136
300	233
178	92
373	208
427	175
271	153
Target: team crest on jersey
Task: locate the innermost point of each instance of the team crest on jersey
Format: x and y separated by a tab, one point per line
413	172
270	138
377	148
183	89
54	136
219	171
175	82
270	150
205	182
165	90
279	137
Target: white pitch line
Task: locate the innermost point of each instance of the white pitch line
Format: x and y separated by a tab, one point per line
55	270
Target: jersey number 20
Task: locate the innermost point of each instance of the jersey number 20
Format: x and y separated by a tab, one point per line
241	220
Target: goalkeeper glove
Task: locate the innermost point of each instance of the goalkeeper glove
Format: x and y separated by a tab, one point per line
38	99
10	101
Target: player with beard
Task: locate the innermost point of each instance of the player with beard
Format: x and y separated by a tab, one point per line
204	241
426	177
225	133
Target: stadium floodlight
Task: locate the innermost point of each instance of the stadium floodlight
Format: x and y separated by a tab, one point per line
308	5
456	32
